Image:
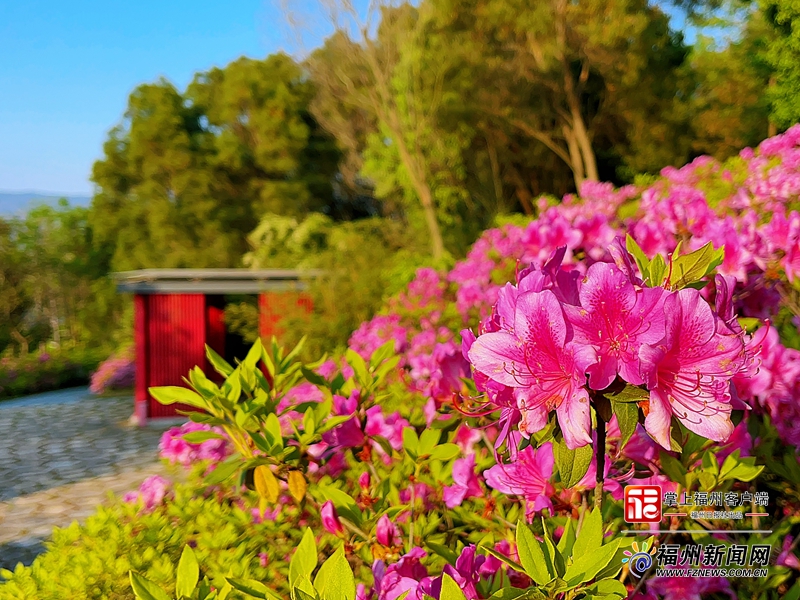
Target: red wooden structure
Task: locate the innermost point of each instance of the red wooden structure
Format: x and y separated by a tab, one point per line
178	311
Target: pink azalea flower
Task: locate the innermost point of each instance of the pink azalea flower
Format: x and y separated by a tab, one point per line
739	440
363	481
529	476
330	518
536	356
786	558
151	492
406	575
387	532
390	427
466	437
689	371
615	319
466	484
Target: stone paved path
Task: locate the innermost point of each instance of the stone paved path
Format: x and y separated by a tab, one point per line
60	454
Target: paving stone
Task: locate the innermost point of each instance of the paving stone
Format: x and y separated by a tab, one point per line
64	455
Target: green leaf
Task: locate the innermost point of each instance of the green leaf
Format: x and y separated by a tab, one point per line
220	365
267	360
504	559
188	573
272	429
309	425
587	566
531	555
445	452
627	418
608	589
450	589
638	255
295	351
590	536
232	387
658	270
443	551
673	468
345	504
692	267
383	352
146	589
172	394
572	464
304	591
253	355
411	442
555	562
630	393
198	437
335	580
304	559
428	440
738	469
313	377
567	541
253	588
359	366
224	470
508	593
794	592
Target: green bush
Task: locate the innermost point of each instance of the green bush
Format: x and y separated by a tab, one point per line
93	560
43	372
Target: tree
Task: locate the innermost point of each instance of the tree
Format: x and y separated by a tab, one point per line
783	55
576	77
395	101
186	177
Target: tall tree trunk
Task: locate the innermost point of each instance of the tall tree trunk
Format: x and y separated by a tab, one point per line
22	341
387	111
575	157
585	144
578	125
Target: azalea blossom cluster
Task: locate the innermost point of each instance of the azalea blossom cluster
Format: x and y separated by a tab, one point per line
174	448
555	337
744	204
116	372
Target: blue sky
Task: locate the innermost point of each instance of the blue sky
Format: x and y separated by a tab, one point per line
66	69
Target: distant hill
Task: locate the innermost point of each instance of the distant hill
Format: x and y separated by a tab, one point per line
18	203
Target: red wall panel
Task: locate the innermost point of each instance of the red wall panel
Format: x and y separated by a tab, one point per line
140	394
215	333
176	332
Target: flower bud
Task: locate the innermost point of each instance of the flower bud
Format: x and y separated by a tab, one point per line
386	532
330	519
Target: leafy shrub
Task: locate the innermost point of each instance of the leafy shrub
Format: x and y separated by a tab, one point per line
48	371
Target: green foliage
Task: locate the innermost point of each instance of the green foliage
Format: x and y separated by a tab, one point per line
353	281
48	371
679	270
783	54
93	560
186	176
52	281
